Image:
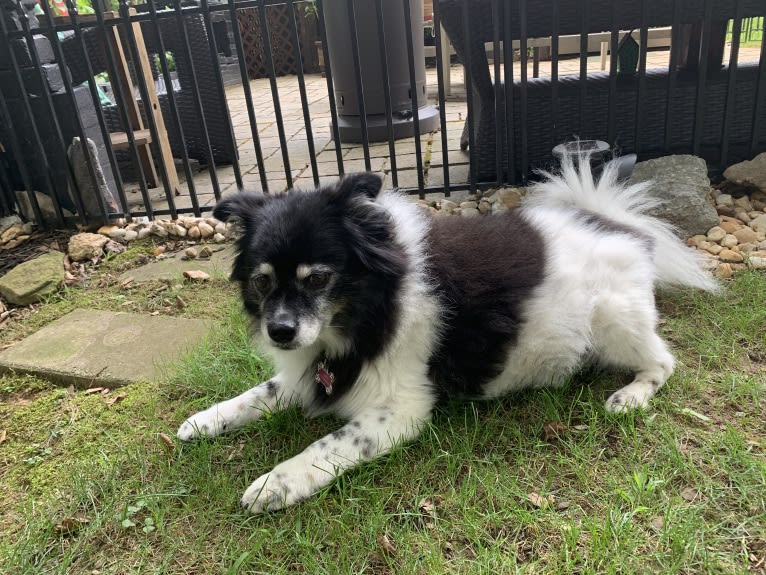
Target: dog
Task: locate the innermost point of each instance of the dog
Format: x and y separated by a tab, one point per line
375	311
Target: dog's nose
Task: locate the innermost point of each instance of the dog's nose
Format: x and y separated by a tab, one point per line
281	331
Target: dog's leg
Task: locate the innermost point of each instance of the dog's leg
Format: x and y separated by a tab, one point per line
370	434
625	336
238	411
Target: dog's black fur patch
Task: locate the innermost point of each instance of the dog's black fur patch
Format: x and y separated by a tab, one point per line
485	268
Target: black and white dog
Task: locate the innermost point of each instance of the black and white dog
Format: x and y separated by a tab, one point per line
374	311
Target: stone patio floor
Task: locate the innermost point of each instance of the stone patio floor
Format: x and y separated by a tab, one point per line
353	154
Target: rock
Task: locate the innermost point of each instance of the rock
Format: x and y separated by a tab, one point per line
724	200
206	252
724	271
104	230
206	230
762	245
190	253
34	280
696	240
196	275
681	185
212	222
86	246
729	241
144	233
130	235
117	234
714	249
469	212
716	234
746	248
220	228
745	235
159	231
511	197
468	205
28	228
194	233
44	202
112	247
11	233
729	226
749	173
730	256
744	203
757	263
180	231
499	208
448	205
759	223
725	210
485	207
742	215
8	221
219	238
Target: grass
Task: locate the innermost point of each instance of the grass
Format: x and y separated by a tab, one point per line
680	488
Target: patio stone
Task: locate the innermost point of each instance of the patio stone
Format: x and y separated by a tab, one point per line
681	184
88	348
173	268
33	280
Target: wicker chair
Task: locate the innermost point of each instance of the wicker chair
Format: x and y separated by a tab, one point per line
214	108
591	122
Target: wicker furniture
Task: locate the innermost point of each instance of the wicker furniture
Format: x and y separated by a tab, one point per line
590	122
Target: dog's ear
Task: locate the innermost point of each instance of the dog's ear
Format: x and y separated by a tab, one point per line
242	205
364	184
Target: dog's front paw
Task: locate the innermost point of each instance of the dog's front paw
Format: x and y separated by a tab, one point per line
208	423
285	485
633	396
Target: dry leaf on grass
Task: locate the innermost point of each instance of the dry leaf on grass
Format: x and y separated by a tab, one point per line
167	441
386	546
115	398
70	525
3	435
541	501
93	390
658	523
690	494
553	430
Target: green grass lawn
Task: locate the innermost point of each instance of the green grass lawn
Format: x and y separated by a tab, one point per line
89	485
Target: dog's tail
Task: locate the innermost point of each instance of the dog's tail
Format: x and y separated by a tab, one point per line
574	185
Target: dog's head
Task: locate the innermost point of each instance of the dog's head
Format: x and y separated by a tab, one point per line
311	264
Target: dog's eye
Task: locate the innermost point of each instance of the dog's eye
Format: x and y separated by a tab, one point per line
262	282
318	280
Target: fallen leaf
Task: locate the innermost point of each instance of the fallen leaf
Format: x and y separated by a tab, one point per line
580	427
196	275
180	302
540	501
70	525
695	414
553	429
690	494
159	250
115	398
167	441
658	523
3	435
562	505
93	390
105	391
155	313
127	281
428	505
386	546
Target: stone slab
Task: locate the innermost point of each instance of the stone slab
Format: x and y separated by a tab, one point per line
33	280
88	348
173	268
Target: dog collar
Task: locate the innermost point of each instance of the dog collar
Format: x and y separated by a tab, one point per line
324	376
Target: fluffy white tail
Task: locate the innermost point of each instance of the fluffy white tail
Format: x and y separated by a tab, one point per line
676	264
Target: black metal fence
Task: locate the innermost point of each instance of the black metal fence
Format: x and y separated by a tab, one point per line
69	154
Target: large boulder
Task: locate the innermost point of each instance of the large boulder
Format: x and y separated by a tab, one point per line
34	280
751	173
86	246
682	186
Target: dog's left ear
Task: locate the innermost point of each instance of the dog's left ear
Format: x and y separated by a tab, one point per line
242	205
363	184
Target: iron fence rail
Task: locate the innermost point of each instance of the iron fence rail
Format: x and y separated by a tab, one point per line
509	119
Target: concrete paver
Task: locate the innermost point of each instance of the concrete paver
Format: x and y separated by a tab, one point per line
88	348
